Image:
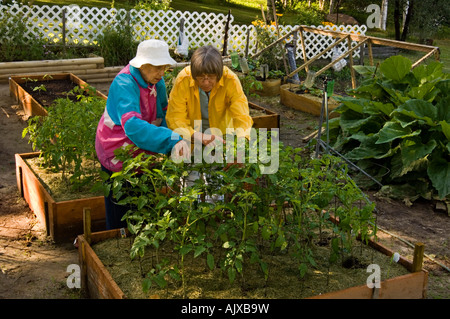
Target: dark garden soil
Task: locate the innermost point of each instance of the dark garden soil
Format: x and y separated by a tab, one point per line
45	92
32	266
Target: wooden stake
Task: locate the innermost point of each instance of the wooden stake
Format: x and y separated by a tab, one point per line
283	51
87	224
419	249
225	39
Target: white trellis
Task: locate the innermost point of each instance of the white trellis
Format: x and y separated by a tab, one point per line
83	25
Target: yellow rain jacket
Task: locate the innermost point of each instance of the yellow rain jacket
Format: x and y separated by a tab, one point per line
227	108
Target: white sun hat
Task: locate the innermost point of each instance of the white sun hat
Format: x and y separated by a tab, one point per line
154	52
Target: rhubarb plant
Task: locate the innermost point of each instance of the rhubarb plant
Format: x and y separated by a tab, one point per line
396	127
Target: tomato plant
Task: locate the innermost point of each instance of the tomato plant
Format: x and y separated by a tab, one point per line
231	214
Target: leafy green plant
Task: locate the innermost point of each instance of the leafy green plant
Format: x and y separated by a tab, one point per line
250	84
14	45
66	137
116	43
396	126
260	214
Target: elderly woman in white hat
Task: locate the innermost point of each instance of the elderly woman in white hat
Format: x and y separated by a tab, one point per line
135	114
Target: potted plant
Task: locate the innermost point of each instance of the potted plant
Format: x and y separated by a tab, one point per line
64	142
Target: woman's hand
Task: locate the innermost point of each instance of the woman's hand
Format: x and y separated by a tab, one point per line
207	138
181	151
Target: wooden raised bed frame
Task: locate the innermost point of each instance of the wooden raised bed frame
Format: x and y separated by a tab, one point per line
270	120
30	106
63	220
305	102
99	284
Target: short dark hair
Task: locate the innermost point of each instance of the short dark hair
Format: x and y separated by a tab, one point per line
206	60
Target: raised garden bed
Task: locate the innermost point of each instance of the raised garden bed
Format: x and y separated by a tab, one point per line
63	219
99	283
36	92
262	117
271	87
292	96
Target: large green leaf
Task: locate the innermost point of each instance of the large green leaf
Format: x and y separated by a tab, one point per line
446	129
419	109
439	173
368	149
396	67
393	130
443	109
414	152
356	105
427	73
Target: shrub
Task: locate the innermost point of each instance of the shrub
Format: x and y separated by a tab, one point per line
396	126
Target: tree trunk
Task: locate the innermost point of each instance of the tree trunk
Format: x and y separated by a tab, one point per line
332	3
409	15
384	12
397	15
269	15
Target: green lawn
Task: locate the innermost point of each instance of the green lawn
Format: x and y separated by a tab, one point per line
244	12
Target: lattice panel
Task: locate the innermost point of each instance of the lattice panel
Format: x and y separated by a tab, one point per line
83	25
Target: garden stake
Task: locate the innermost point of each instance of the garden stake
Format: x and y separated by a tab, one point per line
323	109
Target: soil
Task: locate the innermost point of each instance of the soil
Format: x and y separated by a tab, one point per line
32	266
47	91
201	282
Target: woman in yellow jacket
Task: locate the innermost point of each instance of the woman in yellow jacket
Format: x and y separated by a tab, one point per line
209	92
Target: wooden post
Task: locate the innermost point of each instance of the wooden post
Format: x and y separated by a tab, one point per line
302	41
419	249
87	224
278	37
247	43
64	29
225	38
350	58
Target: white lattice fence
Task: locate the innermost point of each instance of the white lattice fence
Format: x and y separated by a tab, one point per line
314	43
83	25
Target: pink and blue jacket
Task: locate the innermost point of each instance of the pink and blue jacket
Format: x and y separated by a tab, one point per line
131	106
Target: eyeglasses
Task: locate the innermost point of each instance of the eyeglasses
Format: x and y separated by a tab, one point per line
159	68
210	77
